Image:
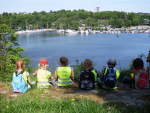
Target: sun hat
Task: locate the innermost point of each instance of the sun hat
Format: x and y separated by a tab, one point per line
112	61
43	62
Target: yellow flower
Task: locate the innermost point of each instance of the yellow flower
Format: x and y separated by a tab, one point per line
7	106
72	99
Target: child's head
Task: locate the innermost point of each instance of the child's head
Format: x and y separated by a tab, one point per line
138	63
111	62
88	63
20	65
43	64
64	61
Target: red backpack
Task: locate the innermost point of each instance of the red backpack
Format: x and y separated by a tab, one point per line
142	80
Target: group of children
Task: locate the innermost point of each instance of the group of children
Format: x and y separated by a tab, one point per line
88	79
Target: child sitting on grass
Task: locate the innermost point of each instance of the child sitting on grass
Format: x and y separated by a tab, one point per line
139	77
88	78
64	76
21	80
43	76
148	60
110	75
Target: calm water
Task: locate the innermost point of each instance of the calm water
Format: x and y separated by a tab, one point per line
98	47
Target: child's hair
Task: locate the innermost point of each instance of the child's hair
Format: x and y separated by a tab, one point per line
87	63
138	62
64	61
43	64
20	65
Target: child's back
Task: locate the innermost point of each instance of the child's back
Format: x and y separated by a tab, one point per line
63	75
42	78
139	77
88	77
21	79
43	75
110	75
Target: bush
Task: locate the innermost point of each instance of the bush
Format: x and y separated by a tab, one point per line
10	52
78	68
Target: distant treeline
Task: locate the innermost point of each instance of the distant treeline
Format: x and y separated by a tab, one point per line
64	19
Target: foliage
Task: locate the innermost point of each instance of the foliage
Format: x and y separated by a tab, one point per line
74	18
128	23
105	23
119	23
78	68
135	21
37	104
10	52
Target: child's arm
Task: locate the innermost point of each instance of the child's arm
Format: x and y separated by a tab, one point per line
28	77
35	73
72	74
55	76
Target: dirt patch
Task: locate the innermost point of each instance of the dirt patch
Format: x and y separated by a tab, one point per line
145	98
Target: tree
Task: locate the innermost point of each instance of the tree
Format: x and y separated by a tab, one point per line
135	21
128	23
131	15
119	23
105	23
10	52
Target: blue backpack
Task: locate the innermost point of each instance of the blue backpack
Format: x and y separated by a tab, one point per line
18	83
110	77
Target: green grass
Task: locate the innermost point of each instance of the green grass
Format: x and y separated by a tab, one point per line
37	104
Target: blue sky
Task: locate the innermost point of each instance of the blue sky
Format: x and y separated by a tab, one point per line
88	5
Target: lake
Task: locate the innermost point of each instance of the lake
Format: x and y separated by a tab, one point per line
97	47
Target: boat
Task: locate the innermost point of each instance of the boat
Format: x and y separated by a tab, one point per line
87	32
132	31
68	31
75	32
82	32
61	30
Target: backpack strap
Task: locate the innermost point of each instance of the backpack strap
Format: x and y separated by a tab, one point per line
18	73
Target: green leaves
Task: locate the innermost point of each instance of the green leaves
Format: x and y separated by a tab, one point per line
10	52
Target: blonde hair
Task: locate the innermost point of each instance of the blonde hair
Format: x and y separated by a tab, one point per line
20	65
41	66
87	63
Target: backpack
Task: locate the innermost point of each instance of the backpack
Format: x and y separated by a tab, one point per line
110	78
87	80
141	79
18	83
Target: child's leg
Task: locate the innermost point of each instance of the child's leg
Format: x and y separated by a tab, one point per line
126	80
54	83
131	82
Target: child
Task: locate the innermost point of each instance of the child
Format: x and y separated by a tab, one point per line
88	78
43	76
148	60
63	74
21	79
110	75
138	75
